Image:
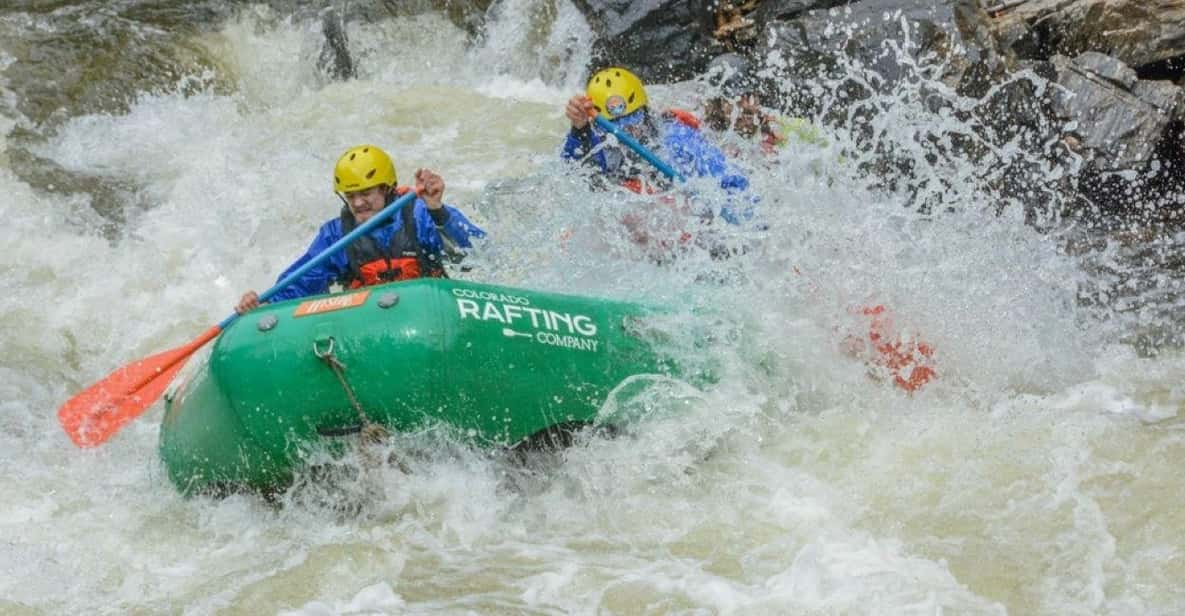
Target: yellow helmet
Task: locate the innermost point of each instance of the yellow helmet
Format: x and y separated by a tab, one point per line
616	92
362	167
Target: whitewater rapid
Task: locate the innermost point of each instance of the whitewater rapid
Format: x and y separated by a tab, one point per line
1036	475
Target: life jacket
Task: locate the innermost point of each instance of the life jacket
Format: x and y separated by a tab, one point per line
402	259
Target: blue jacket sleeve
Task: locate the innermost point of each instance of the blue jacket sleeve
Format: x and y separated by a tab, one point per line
316	281
456	228
580	142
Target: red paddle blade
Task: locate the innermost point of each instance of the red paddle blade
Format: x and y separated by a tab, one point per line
98	412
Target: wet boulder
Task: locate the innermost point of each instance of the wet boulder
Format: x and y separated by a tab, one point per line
660	40
784	10
1140	33
670	40
888	37
1116	117
1118	67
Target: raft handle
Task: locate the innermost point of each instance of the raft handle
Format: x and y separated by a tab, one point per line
328	353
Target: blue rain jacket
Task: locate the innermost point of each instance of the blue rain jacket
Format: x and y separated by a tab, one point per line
684	148
316	281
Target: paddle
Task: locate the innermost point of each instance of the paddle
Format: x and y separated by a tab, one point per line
907	361
99	411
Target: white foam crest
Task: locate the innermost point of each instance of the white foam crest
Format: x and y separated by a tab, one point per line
534	40
840	574
377	598
271	59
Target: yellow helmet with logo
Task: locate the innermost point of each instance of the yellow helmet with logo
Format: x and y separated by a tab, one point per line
362	167
616	92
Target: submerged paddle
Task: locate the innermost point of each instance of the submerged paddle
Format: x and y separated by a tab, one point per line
99	411
908	361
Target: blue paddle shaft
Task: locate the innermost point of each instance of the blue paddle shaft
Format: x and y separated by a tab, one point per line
633	144
365	227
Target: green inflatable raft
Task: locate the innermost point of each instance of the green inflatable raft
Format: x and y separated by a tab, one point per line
498	364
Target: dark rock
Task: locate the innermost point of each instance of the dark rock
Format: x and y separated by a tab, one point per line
888	37
465	14
660	40
335	60
784	10
1165	96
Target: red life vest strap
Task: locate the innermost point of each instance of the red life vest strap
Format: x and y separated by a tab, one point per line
683	117
635	185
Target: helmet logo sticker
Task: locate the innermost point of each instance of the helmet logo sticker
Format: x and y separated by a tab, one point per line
615	105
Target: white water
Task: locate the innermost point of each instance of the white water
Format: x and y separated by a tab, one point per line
1038	474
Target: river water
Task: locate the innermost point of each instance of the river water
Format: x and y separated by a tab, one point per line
158	159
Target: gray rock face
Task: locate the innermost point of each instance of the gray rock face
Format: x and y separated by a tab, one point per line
1137	32
784	10
1108	68
613	18
1118	118
882	35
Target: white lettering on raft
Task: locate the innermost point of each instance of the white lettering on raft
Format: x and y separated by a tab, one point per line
570	342
562	329
540	319
492	296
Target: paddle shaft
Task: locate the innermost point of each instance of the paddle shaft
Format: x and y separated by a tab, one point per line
633	144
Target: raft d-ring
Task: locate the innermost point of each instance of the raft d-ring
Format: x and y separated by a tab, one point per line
328	352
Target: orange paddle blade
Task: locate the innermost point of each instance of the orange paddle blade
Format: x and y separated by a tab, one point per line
98	412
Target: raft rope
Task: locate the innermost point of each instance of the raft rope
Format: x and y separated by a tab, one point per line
371	432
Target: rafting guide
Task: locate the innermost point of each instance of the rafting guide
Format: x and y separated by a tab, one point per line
412	244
